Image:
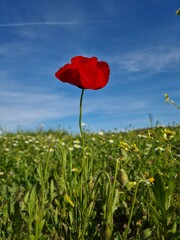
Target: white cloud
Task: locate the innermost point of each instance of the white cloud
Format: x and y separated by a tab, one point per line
149	59
13	50
29	109
20	108
49	23
114	105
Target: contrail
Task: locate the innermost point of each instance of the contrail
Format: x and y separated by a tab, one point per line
24	24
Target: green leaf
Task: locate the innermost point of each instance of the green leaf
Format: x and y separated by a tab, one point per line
169	194
159	191
32	202
155	215
115	201
146	234
17	220
32	237
118	236
52	189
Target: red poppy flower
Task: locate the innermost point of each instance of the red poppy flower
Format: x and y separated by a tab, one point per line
85	73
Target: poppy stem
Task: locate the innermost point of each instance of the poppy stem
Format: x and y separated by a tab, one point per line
83	164
80	114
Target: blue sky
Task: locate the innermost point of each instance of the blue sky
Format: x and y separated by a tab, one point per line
139	39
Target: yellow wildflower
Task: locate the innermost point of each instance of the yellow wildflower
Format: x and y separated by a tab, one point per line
134	148
151	134
124	146
74	170
168	134
132	184
151	179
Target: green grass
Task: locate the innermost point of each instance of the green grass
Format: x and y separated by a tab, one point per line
117	185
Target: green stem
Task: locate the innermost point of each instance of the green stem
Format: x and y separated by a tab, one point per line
131	213
111	196
80	114
115	177
83	163
96	182
83	179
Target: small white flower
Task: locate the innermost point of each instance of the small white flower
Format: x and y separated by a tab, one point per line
149	145
71	149
100	133
111	141
161	149
142	136
149	181
77	146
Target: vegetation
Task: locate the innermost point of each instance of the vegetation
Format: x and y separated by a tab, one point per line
111	185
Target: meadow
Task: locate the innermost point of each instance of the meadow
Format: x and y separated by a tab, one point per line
110	185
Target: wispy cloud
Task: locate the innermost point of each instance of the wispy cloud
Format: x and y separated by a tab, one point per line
149	59
50	23
23	108
11	50
29	109
25	24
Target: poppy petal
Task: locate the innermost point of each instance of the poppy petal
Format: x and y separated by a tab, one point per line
85	73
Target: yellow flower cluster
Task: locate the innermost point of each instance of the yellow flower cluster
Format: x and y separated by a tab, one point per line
150	134
128	147
168	134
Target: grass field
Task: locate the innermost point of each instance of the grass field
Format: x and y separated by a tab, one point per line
111	185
